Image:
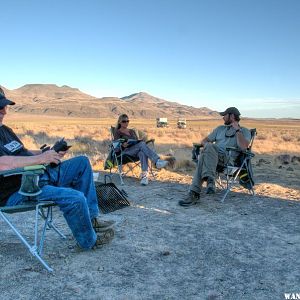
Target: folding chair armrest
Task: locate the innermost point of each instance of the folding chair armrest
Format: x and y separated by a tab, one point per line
150	141
233	149
246	152
116	144
196	151
197	145
119	141
37	169
230	149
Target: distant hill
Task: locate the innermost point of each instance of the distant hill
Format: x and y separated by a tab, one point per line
67	101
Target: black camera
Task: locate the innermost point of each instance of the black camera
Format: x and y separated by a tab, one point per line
60	145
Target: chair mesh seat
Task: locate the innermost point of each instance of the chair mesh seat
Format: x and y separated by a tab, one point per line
110	198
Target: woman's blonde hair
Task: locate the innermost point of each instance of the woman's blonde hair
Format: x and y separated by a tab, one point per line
120	119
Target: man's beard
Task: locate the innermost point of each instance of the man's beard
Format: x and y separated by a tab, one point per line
228	122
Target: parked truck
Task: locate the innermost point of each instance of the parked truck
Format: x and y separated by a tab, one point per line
181	123
161	122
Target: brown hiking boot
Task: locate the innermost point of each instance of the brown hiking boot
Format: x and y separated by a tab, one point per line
211	187
104	238
102	225
191	199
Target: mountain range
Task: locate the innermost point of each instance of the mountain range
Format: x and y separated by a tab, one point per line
67	101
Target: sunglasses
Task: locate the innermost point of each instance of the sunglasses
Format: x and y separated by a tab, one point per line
125	121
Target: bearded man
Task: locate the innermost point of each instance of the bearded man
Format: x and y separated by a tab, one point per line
214	153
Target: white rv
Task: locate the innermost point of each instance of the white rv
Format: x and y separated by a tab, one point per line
181	123
161	122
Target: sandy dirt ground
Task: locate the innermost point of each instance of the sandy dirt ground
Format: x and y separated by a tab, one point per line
245	248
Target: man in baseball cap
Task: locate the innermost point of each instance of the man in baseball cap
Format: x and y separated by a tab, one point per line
214	153
68	183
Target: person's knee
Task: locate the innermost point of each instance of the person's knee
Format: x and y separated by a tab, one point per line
75	200
141	155
81	161
209	147
142	145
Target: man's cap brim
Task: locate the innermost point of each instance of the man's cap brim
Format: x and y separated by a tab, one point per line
4	101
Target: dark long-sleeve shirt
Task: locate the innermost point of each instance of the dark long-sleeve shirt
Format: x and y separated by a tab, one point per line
121	135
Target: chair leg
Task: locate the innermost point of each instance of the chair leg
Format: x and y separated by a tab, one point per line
32	249
151	170
50	223
251	190
40	244
47	224
37	248
229	183
120	171
225	195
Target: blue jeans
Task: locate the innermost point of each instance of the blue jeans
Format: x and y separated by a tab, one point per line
143	152
71	187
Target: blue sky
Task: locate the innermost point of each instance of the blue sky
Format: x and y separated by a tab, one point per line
213	53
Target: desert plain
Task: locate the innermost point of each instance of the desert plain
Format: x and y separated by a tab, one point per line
245	248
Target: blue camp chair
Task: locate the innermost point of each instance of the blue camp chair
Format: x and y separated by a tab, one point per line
43	210
116	159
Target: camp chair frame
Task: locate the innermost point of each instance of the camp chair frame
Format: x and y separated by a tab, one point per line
119	159
232	174
43	210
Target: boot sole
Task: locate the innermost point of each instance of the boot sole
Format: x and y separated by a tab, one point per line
104	239
187	204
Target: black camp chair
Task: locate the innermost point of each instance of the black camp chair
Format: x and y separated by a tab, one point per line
43	210
116	159
239	173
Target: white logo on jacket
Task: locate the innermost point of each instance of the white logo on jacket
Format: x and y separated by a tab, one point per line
13	146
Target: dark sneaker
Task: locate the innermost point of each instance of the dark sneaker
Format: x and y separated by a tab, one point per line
104	238
211	187
192	199
102	225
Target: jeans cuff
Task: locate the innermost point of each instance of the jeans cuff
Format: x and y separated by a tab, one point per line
195	190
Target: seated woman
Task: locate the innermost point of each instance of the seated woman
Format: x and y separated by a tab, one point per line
139	150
